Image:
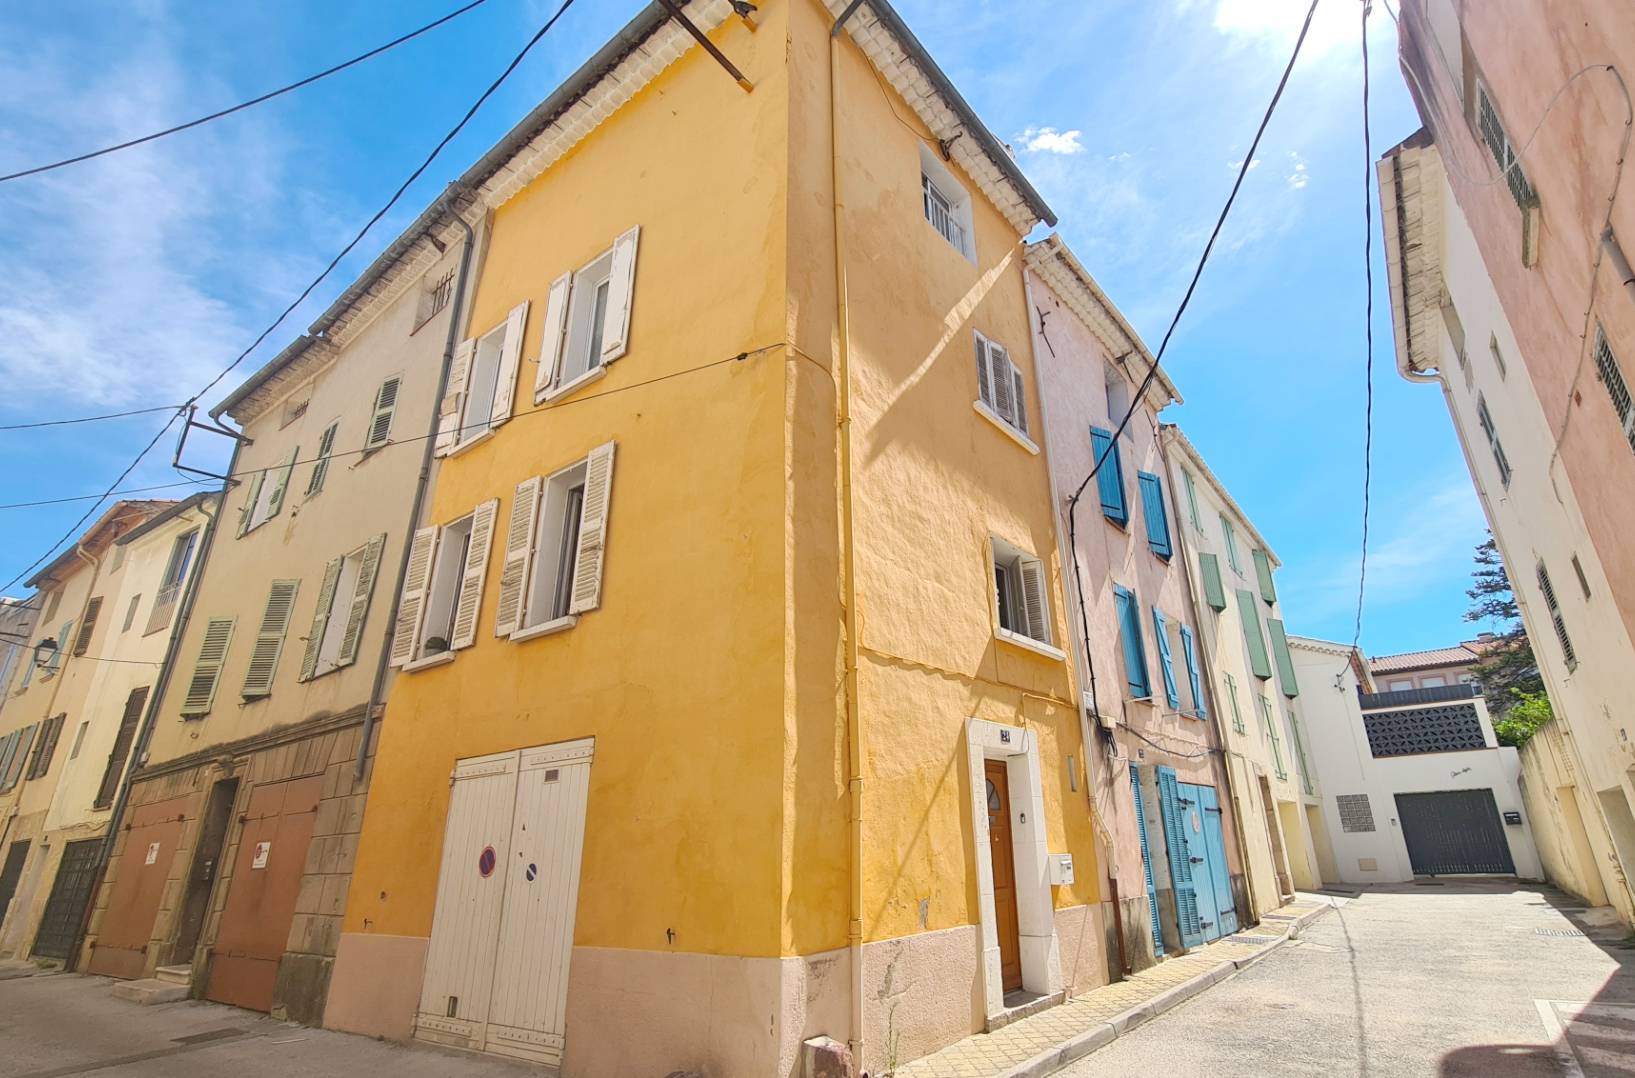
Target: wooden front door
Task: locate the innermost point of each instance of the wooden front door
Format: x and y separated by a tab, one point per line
1004	873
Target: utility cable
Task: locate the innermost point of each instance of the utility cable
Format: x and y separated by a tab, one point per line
1152	370
1368	329
241	106
91	418
396	195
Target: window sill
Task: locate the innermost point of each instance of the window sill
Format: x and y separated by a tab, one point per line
596	373
1027	643
470	443
428	662
546	628
997	420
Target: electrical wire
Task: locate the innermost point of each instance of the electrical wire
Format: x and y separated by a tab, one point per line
91	418
308	290
1368	329
241	106
116	493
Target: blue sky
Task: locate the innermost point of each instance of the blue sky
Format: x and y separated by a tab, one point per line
130	280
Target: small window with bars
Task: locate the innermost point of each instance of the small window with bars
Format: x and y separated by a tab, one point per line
1504	154
435	294
1556	617
1611	375
946	204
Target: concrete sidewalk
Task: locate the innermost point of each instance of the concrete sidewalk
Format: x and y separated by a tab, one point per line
1045	1042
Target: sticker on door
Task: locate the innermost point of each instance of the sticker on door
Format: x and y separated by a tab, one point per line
153	853
262	849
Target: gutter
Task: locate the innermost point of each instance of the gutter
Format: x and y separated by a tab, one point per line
1405	354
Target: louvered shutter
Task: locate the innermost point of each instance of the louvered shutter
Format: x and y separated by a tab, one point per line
587	573
269	639
1166	662
1285	661
320	619
8	749
1146	864
1209	567
1249	614
25	741
1004	390
411	605
1135	653
1263	570
621	294
1019	398
93	609
519	551
510	359
201	687
1034	608
448	410
247	512
984	377
281	483
1180	860
1189	652
64	633
134	703
473	576
550	341
45	746
358	603
380	421
1154	513
326	446
1109	476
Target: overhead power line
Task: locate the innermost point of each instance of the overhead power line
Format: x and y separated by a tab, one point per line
91	418
308	290
1368	330
242	105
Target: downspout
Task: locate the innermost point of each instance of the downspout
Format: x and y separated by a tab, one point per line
422	483
1208	680
150	714
854	726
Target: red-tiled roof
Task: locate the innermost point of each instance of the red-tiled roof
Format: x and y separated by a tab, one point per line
1465	653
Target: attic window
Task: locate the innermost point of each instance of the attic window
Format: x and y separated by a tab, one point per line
947	205
435	292
295	406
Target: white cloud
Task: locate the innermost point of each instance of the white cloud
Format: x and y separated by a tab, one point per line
1050	140
1235	165
1298	177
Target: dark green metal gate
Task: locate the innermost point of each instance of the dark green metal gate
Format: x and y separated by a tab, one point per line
66	906
11	873
1453	832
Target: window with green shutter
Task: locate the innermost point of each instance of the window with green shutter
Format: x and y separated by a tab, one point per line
1192	501
1232	695
1110	476
1263	570
1285	662
1209	567
1249	613
1231	545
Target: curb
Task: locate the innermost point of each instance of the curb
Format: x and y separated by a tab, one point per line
1099	1036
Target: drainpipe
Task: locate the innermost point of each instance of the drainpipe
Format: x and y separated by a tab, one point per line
854	727
1208	681
422	483
150	715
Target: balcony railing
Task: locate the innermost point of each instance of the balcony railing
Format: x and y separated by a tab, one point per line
164	607
1440	694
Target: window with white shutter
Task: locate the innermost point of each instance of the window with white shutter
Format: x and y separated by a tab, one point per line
267	493
320	467
450	408
269	639
488	379
343	604
411	606
1021	595
201	687
1556	618
1001	395
442	595
587	318
380	417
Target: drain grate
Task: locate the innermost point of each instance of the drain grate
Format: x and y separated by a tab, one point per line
1564	933
1252	939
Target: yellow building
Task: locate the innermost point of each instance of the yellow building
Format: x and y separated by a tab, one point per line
731	708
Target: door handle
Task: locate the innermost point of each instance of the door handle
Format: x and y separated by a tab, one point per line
1197	860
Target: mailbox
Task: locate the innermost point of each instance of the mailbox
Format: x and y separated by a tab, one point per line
1061	869
1513	818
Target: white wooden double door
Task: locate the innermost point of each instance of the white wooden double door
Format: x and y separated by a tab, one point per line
502	935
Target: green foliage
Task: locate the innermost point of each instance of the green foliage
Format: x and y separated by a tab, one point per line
1521	720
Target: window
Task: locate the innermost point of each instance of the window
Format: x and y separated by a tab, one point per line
170	586
1249	613
115	769
1192	689
51	600
1237	711
554	547
1504	155
1231	545
265	496
1355	812
79	740
1109	475
482	382
295	406
1486	420
1117	388
14	755
1263	573
1154	513
385	406
1432	682
946	204
1268	724
1285	661
119	559
1129	638
320	467
1612	380
443	588
201	687
436	289
93	610
1166	663
130	613
1578	571
63	639
1498	356
1192	501
1556	618
482	392
1400	686
1000	392
587	319
1209	567
343	604
269	639
1456	336
1020	598
45	746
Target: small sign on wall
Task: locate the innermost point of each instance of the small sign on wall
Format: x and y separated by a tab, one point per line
153	853
261	851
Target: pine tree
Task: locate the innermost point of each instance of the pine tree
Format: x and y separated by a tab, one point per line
1507	669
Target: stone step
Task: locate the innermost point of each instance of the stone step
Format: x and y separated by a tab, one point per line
150	990
174	974
13	969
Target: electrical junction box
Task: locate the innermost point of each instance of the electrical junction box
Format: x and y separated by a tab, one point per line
1513	819
1061	869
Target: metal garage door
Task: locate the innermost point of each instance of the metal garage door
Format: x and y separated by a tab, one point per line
138	883
1454	831
66	906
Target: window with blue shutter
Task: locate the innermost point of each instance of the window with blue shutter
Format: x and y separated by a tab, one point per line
1146	864
1165	663
1189	652
1249	614
1152	510
1129	638
1110	476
